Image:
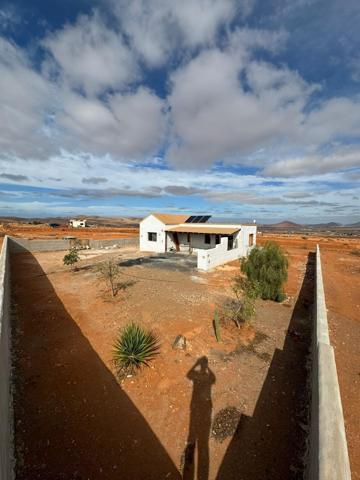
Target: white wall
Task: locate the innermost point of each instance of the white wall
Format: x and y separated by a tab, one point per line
6	413
208	259
329	458
152	224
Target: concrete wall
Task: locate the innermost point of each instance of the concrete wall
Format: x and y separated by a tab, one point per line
152	224
6	413
329	459
208	259
59	244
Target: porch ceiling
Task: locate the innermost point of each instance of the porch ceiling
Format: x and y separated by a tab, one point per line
203	229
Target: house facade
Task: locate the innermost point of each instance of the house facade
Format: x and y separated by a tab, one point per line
214	244
77	223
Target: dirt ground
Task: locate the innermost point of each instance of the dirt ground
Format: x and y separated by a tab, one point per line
233	409
24	230
340	260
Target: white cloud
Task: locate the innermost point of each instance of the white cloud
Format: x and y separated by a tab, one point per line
124	125
343	158
215	117
160	28
92	56
226	105
24	101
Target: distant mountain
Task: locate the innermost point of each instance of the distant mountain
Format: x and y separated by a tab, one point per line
326	225
284	224
356	224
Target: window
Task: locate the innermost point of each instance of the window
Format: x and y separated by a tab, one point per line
217	239
207	238
251	239
152	236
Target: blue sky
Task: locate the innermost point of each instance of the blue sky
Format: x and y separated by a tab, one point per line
241	109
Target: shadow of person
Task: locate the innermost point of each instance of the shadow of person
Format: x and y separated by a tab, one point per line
200	421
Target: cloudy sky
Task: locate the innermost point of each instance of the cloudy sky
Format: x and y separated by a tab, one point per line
243	109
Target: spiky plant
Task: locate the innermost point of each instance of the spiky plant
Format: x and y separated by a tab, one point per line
134	348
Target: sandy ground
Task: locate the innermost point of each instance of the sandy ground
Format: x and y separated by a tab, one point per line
235	409
340	260
43	231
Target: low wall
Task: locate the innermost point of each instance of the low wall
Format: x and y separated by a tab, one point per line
6	414
211	258
329	459
17	244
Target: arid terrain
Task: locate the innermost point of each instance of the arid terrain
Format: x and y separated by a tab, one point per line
74	416
30	231
340	258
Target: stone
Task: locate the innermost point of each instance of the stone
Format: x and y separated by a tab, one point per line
179	343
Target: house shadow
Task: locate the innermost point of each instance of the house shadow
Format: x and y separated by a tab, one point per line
271	444
72	419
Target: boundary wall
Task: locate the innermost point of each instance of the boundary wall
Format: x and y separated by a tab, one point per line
213	257
6	411
54	245
329	459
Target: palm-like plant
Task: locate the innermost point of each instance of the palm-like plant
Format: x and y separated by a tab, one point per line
134	348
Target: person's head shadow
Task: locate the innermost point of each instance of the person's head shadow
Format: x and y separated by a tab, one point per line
73	419
196	454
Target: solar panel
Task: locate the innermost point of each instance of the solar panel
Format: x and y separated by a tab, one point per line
198	219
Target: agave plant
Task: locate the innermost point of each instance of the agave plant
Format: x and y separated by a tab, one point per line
134	348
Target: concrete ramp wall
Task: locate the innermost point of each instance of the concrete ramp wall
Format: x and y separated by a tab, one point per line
329	459
6	413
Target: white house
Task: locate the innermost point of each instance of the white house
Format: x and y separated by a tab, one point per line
214	243
77	223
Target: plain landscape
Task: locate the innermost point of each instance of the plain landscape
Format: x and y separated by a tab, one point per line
66	323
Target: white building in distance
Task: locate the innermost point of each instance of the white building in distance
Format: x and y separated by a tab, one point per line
77	223
214	243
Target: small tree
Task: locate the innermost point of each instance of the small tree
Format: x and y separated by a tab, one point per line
241	308
110	271
267	268
71	258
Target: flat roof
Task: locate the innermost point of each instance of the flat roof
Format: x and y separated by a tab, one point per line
203	228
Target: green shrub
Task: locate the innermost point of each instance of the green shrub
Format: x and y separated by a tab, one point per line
71	258
266	268
134	348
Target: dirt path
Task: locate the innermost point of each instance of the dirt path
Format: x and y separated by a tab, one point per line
340	260
341	274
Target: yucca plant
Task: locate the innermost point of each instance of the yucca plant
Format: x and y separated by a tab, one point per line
134	348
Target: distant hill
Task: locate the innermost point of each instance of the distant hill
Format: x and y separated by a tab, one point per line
326	225
91	220
284	224
356	224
